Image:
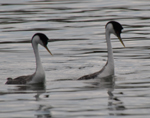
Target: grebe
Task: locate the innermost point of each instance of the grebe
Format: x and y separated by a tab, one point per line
115	28
39	75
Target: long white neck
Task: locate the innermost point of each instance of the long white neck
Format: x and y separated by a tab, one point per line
39	73
37	57
110	60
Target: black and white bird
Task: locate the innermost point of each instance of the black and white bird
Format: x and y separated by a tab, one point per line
115	28
39	75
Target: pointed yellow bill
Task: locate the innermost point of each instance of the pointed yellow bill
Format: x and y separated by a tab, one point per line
121	40
48	50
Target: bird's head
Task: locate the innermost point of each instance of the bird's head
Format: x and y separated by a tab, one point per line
42	39
115	28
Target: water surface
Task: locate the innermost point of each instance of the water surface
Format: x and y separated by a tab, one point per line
77	40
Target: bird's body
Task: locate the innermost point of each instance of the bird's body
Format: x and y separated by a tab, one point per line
39	75
111	27
19	80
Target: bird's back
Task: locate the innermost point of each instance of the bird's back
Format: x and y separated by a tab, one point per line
19	80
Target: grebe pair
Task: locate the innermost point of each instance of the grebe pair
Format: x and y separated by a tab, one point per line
111	27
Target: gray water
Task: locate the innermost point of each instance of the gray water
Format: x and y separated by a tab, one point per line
76	29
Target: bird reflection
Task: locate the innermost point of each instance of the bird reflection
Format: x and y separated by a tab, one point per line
115	105
43	110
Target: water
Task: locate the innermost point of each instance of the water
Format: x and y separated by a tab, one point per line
77	41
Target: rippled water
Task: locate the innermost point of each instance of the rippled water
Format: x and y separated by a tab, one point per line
76	30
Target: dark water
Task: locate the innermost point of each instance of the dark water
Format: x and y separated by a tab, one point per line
76	29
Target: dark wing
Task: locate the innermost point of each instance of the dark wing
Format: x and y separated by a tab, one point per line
87	77
93	75
19	80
